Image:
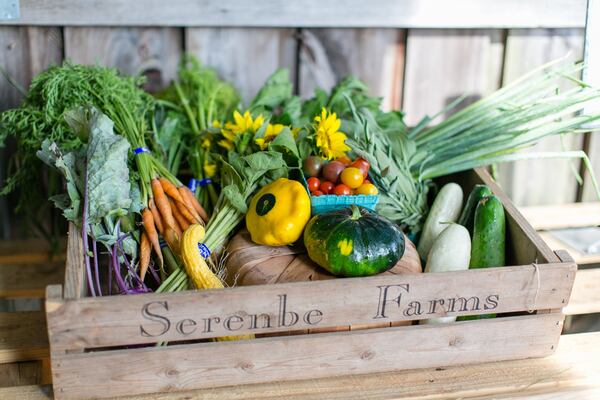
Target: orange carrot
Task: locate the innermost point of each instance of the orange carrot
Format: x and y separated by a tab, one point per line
170	189
172	238
156	215
162	202
193	202
181	220
144	255
148	222
186	213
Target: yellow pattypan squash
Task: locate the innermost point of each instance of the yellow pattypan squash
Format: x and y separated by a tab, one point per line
278	213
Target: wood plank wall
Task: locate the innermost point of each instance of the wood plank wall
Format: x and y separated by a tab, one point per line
420	70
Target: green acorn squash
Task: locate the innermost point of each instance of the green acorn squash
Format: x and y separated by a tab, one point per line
353	242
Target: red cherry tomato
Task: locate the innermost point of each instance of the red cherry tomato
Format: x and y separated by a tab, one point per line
326	187
341	190
317	193
313	183
363	165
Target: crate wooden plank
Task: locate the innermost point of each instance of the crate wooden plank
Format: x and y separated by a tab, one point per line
23	336
29	251
149	318
442	65
25	52
561	216
74	278
25	373
375	56
154	52
554	181
310	13
244	56
29	280
580	258
585	298
570	373
289	358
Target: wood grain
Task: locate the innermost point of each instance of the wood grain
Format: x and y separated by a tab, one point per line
21	373
561	216
245	57
444	64
307	13
569	374
23	336
585	298
118	320
375	56
29	280
26	51
554	181
154	52
74	279
290	358
29	251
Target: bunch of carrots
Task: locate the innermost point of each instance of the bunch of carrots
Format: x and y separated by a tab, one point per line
172	208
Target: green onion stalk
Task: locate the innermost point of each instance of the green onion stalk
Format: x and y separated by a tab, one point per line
490	131
202	99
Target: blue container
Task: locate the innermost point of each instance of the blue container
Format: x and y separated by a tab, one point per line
329	202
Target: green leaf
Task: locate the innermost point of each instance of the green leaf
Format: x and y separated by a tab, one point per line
237	200
107	173
285	141
276	90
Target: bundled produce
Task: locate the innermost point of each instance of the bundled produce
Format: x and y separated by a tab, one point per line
269	165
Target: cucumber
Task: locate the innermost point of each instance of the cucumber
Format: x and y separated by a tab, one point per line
446	208
468	213
489	232
450	252
489	235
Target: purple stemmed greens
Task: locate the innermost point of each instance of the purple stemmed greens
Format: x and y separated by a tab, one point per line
100	200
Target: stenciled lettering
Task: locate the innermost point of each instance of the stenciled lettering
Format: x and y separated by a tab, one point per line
383	298
491	302
149	315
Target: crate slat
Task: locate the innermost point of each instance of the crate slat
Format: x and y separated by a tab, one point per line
30	251
561	216
29	280
309	13
23	336
570	373
586	293
112	321
303	357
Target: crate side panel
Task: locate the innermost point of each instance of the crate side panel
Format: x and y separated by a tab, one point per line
149	318
184	367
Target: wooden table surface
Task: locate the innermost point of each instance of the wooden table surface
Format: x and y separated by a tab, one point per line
573	372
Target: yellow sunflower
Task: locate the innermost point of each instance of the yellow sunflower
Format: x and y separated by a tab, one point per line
330	141
242	123
270	133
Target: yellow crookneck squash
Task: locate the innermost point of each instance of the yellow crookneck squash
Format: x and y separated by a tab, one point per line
278	213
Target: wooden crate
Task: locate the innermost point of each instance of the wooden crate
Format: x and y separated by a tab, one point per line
104	347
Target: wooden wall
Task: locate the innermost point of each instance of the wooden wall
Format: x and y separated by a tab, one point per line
419	70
